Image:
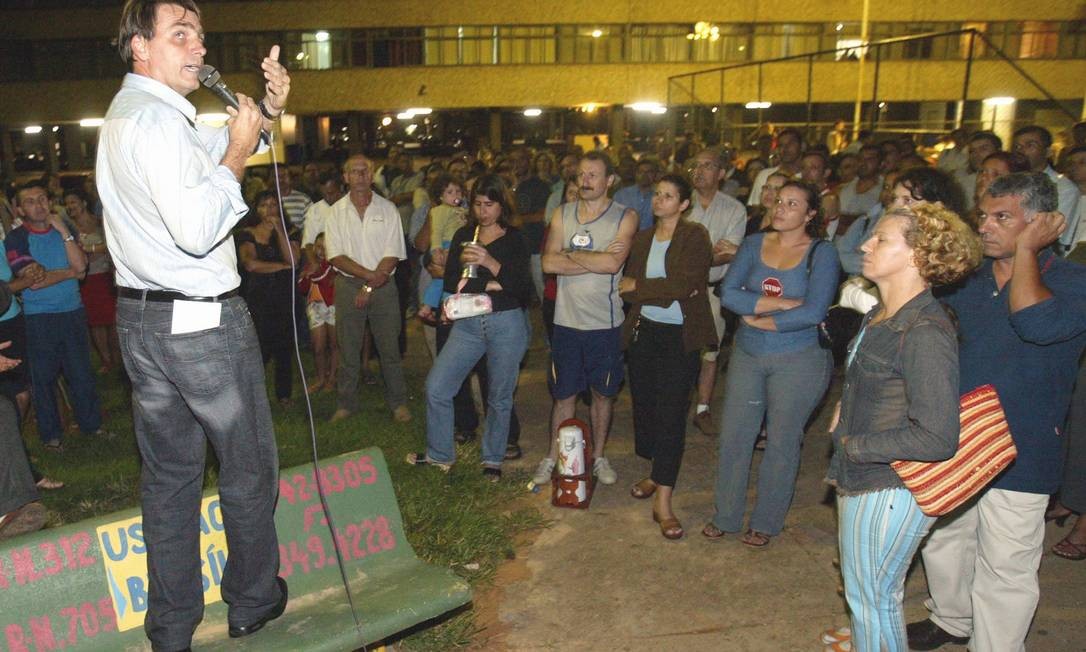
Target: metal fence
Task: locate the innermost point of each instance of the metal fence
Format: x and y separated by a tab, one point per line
730	103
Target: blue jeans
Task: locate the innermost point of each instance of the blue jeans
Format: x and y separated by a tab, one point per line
784	388
188	389
878	533
57	343
503	338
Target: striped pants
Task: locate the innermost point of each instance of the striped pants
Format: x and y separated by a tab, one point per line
878	534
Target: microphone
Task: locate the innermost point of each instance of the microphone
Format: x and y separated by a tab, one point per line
211	78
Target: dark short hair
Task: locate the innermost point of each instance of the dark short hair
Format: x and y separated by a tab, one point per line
989	136
494	188
790	131
819	154
1076	150
1045	135
138	19
933	185
1038	193
680	183
77	192
872	148
330	175
600	157
814	203
1015	162
30	185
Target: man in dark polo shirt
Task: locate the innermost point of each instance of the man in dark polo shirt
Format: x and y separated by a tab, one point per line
1022	322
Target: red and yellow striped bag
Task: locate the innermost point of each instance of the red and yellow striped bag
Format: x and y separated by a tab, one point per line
985	448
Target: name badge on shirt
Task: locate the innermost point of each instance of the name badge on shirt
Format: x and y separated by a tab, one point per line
192	316
581	241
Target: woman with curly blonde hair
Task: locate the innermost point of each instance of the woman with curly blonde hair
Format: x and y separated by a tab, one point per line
900	402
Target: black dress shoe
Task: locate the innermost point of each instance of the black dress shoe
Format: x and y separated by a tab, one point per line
237	631
926	635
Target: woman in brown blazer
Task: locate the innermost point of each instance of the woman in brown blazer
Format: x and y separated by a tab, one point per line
664	333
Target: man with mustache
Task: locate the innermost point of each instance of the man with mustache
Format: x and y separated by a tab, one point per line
587	246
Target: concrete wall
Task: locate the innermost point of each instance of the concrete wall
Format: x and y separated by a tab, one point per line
326	14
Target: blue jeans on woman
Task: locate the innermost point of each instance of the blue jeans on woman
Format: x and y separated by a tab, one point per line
503	338
878	533
784	388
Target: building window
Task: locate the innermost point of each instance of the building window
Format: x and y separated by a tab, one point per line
527	44
397	47
320	50
1040	40
590	44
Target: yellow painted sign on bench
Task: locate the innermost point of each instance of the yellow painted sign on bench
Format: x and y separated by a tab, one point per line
124	557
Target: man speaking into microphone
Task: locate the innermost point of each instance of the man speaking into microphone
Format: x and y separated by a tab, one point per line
171	194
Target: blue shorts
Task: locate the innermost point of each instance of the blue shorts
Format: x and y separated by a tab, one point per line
584	359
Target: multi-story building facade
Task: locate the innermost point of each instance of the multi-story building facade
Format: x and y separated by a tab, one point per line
478	65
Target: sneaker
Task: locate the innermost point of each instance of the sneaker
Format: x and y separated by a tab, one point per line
603	471
28	518
104	434
704	423
543	471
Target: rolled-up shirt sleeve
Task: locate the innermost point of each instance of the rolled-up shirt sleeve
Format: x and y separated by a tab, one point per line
199	201
1056	319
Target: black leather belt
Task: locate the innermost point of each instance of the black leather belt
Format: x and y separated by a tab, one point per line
168	295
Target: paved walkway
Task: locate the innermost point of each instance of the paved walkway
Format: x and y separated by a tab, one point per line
604	578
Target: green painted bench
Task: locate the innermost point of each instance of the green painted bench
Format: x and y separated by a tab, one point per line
83	586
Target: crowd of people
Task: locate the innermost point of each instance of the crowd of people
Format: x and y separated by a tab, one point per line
646	267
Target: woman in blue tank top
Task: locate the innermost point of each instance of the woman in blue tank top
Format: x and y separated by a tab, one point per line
780	284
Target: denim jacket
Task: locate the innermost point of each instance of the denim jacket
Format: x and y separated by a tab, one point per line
900	397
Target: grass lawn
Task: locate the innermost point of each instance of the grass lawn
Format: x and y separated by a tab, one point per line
458	520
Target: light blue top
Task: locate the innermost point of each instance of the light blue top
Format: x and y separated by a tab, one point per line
748	279
640	201
848	245
654	268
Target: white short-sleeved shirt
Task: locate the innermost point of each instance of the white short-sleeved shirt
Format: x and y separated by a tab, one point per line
726	219
315	219
366	240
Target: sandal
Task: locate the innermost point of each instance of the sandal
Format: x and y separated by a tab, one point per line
756	539
1070	550
492	474
420	459
671	528
711	531
48	483
836	635
643	489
